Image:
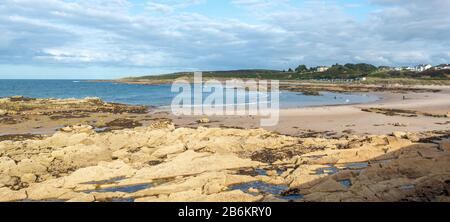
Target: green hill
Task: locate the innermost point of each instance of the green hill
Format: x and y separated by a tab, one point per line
347	71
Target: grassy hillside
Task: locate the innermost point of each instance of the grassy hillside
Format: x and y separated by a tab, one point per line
251	73
347	71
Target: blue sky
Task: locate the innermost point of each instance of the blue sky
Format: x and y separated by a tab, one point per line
97	39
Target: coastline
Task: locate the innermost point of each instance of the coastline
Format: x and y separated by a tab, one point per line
107	152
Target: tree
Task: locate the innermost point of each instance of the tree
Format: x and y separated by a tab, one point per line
290	70
301	68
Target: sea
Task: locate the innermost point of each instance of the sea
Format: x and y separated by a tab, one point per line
154	95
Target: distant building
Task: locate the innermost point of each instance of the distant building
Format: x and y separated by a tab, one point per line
404	68
422	67
442	67
322	68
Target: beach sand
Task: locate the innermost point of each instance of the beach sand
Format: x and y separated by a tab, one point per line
345	119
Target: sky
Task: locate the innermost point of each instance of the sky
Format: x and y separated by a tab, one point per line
104	39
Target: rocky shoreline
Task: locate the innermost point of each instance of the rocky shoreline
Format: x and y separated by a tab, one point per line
161	162
23	117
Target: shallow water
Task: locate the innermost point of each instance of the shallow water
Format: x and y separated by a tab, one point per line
267	188
152	95
276	190
123	189
327	170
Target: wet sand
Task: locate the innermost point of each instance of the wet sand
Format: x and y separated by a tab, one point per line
349	119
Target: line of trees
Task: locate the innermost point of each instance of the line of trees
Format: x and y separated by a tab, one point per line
359	70
347	68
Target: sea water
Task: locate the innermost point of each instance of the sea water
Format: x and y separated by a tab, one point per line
152	95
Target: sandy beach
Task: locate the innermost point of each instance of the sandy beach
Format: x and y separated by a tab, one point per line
351	119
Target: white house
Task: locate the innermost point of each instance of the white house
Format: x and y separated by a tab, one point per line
409	68
422	67
322	68
442	66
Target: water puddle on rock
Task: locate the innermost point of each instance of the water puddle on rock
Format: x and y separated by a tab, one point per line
123	189
266	188
356	166
102	129
330	170
407	187
333	169
346	183
258	187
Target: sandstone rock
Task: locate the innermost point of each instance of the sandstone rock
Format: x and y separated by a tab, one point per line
122	154
378	140
398	143
46	191
332	197
197	196
207	183
6	164
3	112
10	181
445	145
399	134
28	178
413	137
79	156
200	164
118	141
328	185
190	162
272	173
305	176
171	149
253	190
108	196
363	154
230	196
187	195
83	198
7	195
29	166
213	187
103	171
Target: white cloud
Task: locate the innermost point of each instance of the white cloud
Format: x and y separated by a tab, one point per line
110	33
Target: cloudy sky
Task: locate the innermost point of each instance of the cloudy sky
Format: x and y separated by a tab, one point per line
115	38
